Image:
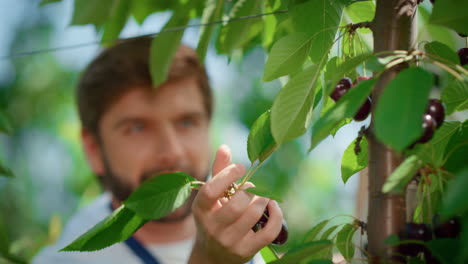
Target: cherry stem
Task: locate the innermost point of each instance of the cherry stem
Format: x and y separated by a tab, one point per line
196	184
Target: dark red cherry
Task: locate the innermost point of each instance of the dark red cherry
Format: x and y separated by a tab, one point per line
413	231
261	223
448	229
282	236
364	111
341	88
429	127
463	54
436	109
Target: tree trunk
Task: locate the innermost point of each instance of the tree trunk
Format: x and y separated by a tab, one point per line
393	29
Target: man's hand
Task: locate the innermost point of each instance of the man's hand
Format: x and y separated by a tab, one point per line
224	227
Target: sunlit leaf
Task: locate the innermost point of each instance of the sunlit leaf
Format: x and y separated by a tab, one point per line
352	163
287	55
160	195
91	12
344	241
398	114
113	229
292	108
164	46
451	14
116	21
268	254
346	107
402	175
360	11
321	19
238	33
213	12
260	142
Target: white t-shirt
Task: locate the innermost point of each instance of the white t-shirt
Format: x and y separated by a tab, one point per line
86	218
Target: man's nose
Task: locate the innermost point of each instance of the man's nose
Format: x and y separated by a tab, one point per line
169	148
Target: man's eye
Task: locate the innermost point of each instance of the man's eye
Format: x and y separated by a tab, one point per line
187	122
137	127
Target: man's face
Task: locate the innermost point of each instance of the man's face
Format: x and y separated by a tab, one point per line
149	132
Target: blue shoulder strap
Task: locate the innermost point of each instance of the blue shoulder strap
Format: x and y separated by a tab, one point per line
140	251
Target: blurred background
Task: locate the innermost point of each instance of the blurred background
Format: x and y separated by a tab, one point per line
52	179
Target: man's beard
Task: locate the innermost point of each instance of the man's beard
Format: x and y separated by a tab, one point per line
122	190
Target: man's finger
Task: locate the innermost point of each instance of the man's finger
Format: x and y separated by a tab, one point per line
215	188
222	160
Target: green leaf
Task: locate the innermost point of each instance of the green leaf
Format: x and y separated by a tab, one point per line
434	151
444	249
5	123
160	195
91	12
260	143
141	9
352	163
451	14
344	241
346	107
327	233
213	12
292	108
402	175
454	201
313	233
455	96
341	124
113	229
116	21
268	254
398	114
164	46
456	152
239	33
321	19
309	251
263	192
360	11
441	52
45	2
4	171
287	55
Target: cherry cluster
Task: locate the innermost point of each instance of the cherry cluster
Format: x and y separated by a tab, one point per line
343	87
282	236
422	233
432	119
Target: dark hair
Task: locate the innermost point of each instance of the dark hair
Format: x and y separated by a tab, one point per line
125	66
